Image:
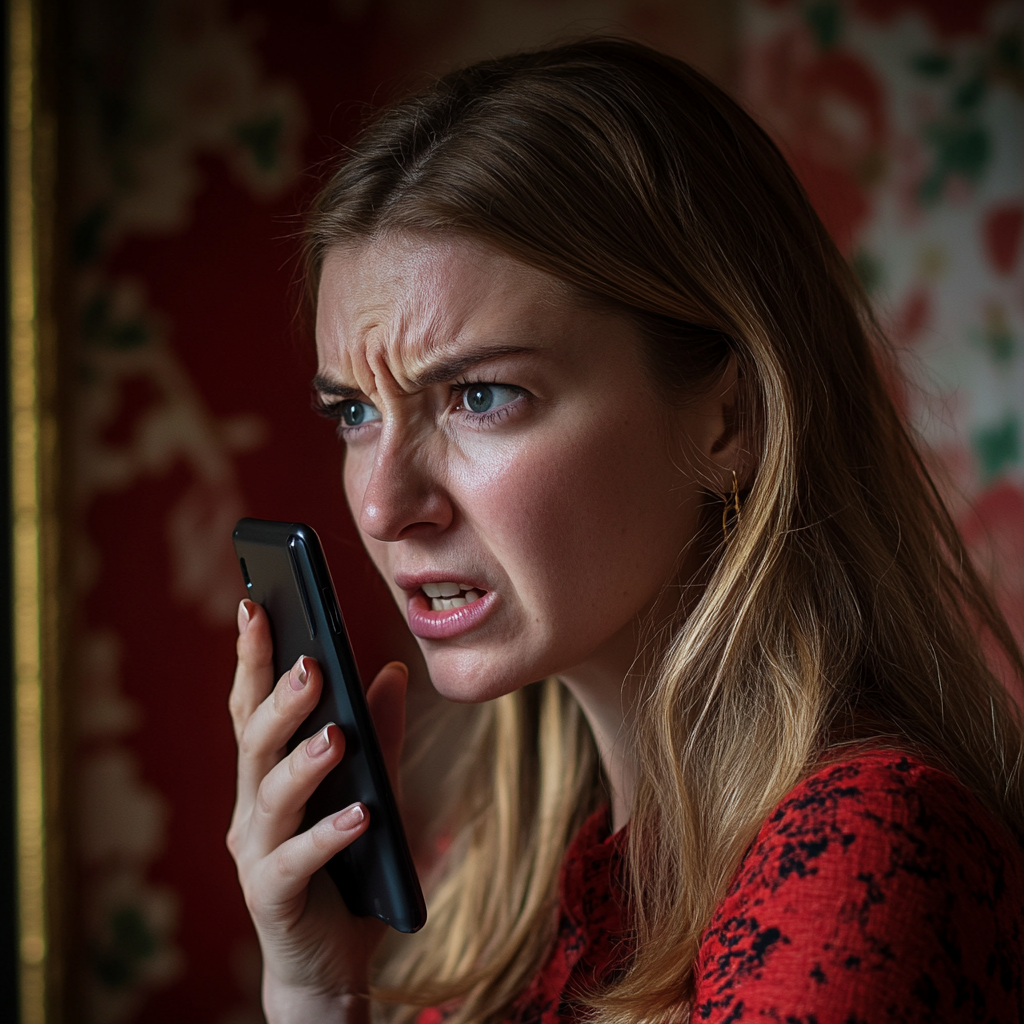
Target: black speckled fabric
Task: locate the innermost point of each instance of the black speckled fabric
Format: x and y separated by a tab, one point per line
879	890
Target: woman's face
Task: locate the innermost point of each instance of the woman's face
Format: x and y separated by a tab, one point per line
514	475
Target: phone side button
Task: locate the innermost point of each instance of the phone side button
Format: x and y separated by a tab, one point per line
332	610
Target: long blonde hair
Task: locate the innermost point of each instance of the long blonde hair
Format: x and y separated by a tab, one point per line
843	606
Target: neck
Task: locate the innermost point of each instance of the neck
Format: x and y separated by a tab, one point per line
605	687
607	684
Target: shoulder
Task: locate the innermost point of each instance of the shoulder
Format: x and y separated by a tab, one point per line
883	810
877	876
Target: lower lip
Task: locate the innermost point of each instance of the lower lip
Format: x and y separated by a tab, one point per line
430	625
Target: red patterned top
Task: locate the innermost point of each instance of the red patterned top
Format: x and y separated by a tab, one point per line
878	890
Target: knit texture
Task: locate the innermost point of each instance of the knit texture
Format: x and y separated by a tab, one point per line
879	890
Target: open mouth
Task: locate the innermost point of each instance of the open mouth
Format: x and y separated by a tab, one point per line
445	609
447	596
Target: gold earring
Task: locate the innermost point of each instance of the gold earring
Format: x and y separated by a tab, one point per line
733	501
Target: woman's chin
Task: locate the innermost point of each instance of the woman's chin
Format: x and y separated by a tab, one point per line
461	690
466	678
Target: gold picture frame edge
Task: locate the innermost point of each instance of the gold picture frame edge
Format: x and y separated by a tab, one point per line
35	520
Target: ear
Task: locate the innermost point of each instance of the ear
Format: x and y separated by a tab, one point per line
720	430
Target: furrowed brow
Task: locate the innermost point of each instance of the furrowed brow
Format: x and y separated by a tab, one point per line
325	386
440	373
449	369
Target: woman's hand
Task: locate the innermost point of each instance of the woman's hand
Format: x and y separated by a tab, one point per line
315	953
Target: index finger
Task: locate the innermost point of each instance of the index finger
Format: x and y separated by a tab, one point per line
254	673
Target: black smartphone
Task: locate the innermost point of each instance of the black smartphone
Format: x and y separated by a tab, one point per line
285	571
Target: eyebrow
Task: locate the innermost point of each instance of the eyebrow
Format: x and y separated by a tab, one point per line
439	373
325	386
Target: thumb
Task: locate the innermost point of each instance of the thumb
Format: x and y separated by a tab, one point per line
386	699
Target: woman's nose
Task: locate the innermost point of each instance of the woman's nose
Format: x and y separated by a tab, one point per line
403	497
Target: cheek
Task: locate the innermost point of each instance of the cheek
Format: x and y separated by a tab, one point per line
585	520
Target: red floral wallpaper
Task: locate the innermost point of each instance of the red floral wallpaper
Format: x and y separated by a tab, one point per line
192	127
905	121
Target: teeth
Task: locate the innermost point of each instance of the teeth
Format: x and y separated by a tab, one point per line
446	604
446	589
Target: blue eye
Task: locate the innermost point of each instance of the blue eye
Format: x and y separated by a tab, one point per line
355	414
480	398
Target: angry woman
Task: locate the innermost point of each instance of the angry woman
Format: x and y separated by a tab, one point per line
616	437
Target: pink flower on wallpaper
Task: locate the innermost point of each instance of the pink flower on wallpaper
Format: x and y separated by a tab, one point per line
1002	229
828	109
912	317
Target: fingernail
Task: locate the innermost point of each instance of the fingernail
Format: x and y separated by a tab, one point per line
321	742
349	818
243	616
299	674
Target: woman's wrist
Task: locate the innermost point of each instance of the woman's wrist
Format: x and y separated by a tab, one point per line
283	1004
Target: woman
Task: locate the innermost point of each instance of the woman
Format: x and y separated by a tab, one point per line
613	418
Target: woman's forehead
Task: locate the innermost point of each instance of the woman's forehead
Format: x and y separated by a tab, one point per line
411	301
